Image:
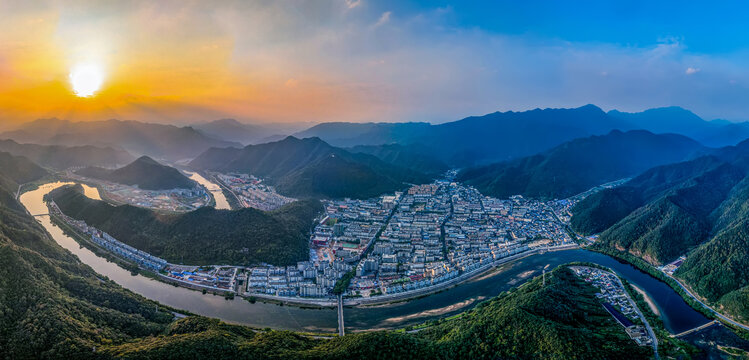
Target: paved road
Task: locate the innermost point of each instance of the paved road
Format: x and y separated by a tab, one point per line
715	312
340	315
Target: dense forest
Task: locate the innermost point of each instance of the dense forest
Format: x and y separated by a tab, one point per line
580	164
144	172
310	167
51	305
203	236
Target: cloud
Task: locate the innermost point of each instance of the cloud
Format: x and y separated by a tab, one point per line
241	58
384	18
691	71
353	3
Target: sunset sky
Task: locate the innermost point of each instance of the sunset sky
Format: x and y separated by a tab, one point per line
365	60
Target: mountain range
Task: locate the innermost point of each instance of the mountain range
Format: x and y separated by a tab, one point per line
311	168
501	136
159	141
144	172
235	131
62	157
580	164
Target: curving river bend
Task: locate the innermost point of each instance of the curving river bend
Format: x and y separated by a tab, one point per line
675	313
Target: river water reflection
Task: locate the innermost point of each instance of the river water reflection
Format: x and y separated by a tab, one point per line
676	314
215	189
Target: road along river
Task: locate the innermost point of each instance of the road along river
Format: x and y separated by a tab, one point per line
676	314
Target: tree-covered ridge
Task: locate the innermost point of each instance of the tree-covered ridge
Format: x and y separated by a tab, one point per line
53	306
203	236
16	170
580	164
312	168
699	208
144	172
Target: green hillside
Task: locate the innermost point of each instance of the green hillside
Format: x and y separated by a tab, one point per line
699	208
203	236
51	305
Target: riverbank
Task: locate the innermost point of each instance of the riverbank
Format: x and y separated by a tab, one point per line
741	329
648	300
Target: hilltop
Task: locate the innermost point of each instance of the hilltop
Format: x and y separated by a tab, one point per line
311	168
144	172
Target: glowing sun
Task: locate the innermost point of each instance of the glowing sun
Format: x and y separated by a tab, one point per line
86	79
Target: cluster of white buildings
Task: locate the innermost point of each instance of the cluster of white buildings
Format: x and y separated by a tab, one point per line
142	258
252	192
430	234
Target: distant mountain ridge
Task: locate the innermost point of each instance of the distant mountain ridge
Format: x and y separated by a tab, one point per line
156	140
311	168
501	136
144	172
235	131
580	164
63	157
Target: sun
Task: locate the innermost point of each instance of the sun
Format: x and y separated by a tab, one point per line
86	79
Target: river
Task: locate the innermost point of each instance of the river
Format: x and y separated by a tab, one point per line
218	194
676	314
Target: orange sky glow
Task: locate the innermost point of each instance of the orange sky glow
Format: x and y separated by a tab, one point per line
167	61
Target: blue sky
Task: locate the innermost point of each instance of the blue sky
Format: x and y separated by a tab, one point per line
629	55
387	60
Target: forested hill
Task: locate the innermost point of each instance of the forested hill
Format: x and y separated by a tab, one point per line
144	172
51	305
204	236
15	170
696	208
580	164
312	168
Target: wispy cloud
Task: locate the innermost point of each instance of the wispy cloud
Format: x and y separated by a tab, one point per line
691	71
353	3
384	19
